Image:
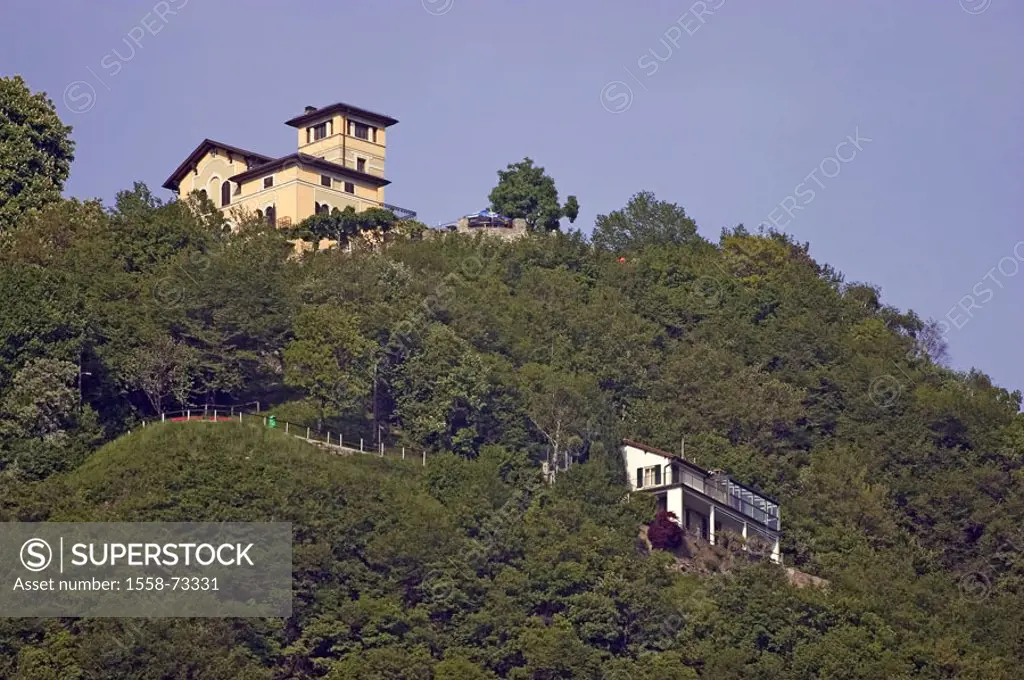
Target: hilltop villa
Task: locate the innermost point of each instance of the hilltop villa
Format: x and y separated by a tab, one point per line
705	503
339	162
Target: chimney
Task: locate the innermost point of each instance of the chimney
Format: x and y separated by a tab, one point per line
310	109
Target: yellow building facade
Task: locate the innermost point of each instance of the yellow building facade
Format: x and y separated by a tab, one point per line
339	162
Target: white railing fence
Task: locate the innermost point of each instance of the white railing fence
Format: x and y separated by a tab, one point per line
335	442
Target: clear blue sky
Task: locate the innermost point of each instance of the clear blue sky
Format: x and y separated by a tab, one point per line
726	114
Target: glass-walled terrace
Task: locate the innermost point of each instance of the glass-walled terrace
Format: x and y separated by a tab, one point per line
727	492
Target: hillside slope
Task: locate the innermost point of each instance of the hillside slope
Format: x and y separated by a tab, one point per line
900	480
468	569
355	519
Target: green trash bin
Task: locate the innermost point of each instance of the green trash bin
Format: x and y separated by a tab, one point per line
272	421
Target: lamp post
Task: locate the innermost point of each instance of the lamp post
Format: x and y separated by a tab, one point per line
80	374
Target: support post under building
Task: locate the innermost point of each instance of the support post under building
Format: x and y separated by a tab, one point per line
711	526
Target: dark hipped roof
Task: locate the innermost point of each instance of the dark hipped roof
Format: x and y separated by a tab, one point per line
666	454
204	146
314	161
301	120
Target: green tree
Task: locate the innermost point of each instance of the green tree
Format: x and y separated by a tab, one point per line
329	360
42	399
42	315
562	406
645	221
345	225
571	209
554	652
146	232
442	393
233	300
35	151
42	429
384	663
460	668
160	369
526	191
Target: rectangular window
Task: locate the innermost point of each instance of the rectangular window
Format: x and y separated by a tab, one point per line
319	131
350	188
362	131
652	476
361	164
325	180
268	182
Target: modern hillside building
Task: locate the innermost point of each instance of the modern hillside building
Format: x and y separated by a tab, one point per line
339	162
705	503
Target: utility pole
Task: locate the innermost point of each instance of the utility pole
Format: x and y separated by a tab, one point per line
377	428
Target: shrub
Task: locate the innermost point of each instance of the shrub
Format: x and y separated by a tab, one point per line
664	532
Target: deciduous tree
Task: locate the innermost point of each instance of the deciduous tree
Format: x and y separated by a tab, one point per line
329	360
42	399
162	368
525	190
664	532
644	222
35	151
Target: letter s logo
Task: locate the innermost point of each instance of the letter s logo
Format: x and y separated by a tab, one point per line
36	554
79	96
616	103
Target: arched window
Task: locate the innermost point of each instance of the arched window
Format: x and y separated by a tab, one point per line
202	194
316	208
259	213
323	208
272	216
225	193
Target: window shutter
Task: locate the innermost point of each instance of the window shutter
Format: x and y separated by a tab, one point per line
657	476
639	478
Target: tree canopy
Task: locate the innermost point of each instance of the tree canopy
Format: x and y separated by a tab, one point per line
525	191
35	151
645	221
345	225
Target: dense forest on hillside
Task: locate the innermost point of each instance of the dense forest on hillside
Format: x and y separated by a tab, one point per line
900	480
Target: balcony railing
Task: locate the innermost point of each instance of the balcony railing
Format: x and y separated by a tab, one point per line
400	213
754	512
720	494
